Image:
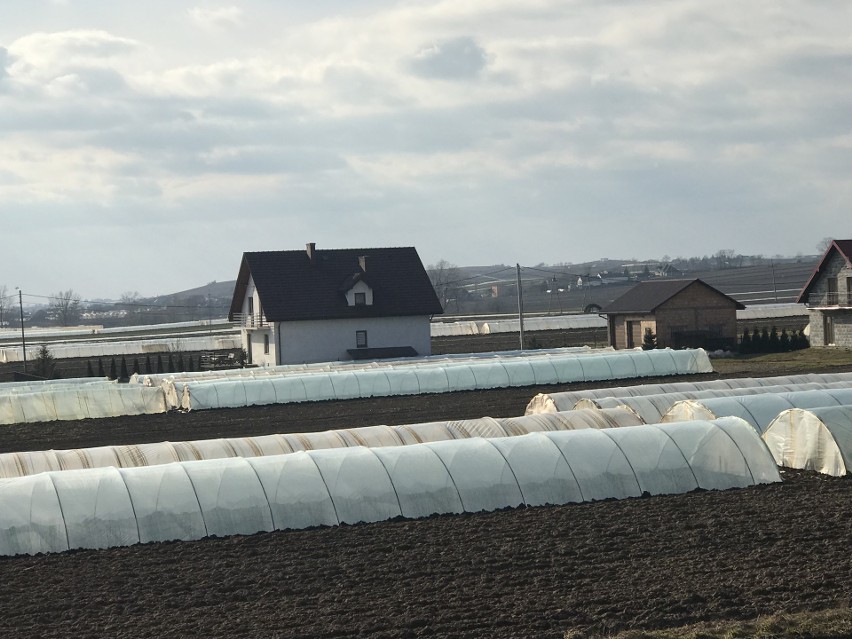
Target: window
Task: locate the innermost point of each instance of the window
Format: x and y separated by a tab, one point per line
360	299
361	339
266	344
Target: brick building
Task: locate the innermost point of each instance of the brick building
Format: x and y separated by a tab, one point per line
681	313
828	296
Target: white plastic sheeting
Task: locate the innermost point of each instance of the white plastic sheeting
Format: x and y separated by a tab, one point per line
350	365
555	402
817	439
487	327
770	311
79	401
112	348
757	410
127	456
449	377
103	507
652	408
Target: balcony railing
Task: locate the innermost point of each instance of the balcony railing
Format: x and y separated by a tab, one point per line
826	300
250	320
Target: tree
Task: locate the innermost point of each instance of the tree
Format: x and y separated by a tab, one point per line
444	277
113	374
44	365
124	374
649	341
65	306
823	244
745	343
101	372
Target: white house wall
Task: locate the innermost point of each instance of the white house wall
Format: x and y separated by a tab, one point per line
328	340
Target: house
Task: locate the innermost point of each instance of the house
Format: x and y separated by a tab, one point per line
828	296
327	305
680	313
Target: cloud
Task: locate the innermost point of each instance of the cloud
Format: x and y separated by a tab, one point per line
216	19
455	59
4	60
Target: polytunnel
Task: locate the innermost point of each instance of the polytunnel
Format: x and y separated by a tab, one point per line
449	377
817	439
80	401
556	402
127	456
111	348
757	410
651	408
351	365
104	507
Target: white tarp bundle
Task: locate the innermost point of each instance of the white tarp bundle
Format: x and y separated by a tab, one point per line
126	456
79	401
652	408
65	350
817	439
104	507
757	410
556	402
445	378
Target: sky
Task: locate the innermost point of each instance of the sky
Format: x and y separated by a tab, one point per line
144	146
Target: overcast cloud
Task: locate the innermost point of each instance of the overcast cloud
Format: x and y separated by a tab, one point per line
145	146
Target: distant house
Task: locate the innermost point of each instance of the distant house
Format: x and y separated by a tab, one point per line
680	313
828	296
338	304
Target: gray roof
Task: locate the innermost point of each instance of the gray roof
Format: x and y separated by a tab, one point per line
843	247
291	286
646	297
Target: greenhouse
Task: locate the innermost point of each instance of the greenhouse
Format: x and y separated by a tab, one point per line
79	401
101	348
817	439
556	402
352	365
757	410
126	456
651	408
450	377
105	507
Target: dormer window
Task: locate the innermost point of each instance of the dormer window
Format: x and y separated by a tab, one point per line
358	293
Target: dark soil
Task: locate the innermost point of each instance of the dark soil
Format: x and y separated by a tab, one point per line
537	572
642	563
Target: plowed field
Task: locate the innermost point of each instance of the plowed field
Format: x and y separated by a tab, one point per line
597	567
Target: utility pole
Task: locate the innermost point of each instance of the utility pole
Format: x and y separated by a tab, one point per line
23	337
520	305
774	287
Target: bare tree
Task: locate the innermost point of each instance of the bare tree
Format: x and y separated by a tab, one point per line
823	244
65	305
444	277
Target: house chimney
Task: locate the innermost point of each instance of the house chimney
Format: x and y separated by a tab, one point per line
311	249
362	262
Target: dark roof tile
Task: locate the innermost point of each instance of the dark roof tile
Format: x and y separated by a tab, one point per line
291	287
646	297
